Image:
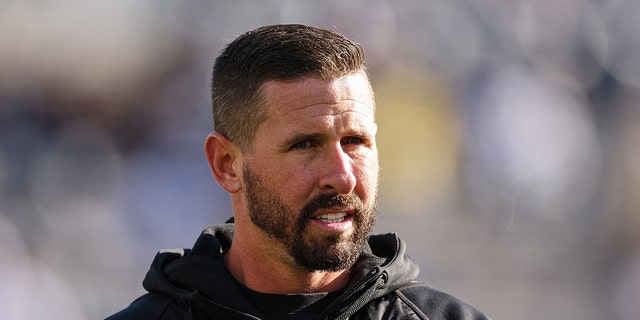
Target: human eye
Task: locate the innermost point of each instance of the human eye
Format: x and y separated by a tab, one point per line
352	140
301	145
304	142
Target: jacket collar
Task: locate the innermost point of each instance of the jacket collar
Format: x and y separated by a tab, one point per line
382	268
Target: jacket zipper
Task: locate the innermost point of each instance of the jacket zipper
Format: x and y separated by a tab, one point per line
370	280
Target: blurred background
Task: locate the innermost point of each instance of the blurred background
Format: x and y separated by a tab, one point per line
508	133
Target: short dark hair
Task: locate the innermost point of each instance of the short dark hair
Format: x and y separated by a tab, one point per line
276	52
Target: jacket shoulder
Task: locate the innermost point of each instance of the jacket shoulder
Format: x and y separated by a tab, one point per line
432	304
150	306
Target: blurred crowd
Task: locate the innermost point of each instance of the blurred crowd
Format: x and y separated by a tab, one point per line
508	133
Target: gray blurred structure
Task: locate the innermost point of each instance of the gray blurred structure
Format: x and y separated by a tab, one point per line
508	133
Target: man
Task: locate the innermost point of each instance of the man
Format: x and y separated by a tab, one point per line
294	145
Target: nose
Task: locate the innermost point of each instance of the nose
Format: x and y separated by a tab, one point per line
338	172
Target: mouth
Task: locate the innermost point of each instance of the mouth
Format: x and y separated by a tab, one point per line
336	221
332	217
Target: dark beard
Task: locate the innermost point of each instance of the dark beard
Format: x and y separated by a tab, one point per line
329	253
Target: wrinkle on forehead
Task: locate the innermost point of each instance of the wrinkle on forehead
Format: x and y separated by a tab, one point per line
336	111
305	97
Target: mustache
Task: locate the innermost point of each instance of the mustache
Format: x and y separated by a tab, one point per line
325	201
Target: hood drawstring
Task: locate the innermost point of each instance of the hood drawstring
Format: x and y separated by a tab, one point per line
188	310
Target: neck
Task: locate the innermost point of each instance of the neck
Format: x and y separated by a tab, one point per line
269	269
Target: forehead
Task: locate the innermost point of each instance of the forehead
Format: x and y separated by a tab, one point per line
309	97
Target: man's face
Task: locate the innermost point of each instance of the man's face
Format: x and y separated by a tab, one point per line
311	177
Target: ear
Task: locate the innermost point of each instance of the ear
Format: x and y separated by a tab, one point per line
222	155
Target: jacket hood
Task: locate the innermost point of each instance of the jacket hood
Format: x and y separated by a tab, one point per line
200	273
388	253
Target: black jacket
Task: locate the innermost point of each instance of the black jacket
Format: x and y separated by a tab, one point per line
195	284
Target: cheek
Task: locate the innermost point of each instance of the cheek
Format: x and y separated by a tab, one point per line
368	174
292	181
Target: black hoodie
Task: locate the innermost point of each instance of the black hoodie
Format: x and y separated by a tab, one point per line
195	284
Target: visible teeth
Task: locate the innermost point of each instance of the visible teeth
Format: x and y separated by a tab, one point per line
333	217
